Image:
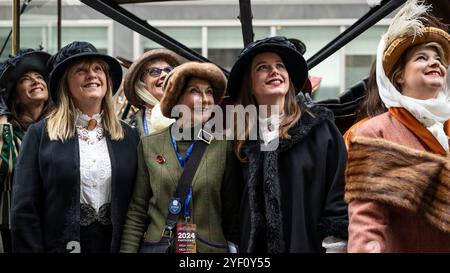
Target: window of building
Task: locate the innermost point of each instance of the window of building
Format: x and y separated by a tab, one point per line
225	43
98	36
46	36
189	36
360	53
315	38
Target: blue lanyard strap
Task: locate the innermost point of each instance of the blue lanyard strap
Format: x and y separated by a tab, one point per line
180	158
144	121
183	164
186	203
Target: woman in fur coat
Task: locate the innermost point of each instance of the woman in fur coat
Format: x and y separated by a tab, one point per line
397	178
294	164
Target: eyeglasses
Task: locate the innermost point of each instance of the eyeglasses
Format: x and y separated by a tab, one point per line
156	71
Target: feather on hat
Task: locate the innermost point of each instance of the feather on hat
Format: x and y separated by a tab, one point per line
412	26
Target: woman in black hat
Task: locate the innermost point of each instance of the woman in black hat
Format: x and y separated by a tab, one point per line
24	100
72	189
294	167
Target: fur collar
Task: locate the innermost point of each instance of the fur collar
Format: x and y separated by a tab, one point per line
312	115
386	172
263	183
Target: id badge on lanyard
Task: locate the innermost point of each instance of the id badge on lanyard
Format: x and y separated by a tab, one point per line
185	233
185	238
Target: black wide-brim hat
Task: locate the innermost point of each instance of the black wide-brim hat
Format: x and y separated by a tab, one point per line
292	59
26	60
74	52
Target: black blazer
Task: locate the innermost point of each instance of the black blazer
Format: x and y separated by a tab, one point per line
46	190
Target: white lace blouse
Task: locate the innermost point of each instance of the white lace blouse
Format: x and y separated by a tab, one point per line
95	163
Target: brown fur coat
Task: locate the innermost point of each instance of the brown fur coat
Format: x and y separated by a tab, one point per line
393	174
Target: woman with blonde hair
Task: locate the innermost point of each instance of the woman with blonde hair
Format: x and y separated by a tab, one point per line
75	173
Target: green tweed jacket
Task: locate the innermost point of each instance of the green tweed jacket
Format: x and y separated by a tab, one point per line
217	186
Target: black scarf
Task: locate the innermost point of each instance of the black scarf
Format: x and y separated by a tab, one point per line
263	182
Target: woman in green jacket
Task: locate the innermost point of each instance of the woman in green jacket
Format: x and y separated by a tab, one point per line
213	205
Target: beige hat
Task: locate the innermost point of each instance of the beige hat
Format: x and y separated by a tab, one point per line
134	73
413	25
401	44
175	83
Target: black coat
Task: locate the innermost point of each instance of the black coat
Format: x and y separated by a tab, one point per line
294	196
46	191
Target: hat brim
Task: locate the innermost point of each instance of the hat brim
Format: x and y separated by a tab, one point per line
396	49
115	71
134	71
175	83
295	64
33	61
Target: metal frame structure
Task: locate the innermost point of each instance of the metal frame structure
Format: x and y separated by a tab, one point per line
121	15
112	9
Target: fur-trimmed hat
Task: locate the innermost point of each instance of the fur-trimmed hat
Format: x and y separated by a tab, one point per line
135	71
413	25
288	52
176	81
24	61
75	51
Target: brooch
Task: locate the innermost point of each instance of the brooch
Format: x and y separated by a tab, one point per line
160	159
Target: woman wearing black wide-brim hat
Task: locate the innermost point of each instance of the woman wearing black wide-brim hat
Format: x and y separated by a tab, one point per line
294	164
24	100
71	190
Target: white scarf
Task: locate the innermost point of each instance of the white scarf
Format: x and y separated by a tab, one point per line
432	113
144	94
157	121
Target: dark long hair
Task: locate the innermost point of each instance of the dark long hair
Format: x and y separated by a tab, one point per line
291	109
16	109
372	105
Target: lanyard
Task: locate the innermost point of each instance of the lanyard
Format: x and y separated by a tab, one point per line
183	164
146	131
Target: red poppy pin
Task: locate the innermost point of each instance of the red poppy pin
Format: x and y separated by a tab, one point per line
160	159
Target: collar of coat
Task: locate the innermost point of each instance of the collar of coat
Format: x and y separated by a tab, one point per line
263	181
312	115
396	175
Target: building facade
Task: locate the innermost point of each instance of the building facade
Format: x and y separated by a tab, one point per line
212	28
